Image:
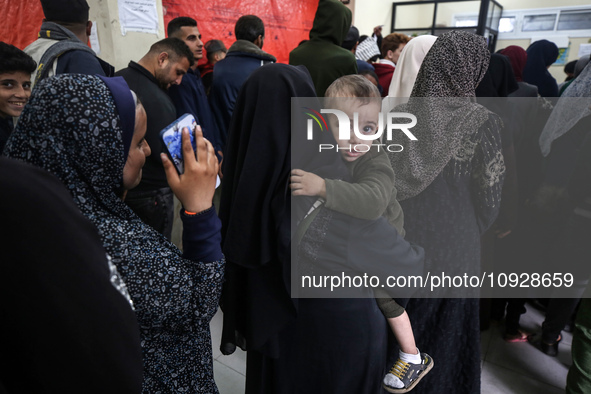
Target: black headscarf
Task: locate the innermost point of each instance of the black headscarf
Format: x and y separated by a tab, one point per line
499	80
255	205
71	128
540	55
256	192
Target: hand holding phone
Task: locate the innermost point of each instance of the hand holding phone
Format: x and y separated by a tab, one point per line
196	185
171	137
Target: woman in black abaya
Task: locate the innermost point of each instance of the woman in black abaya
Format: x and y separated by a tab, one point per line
295	345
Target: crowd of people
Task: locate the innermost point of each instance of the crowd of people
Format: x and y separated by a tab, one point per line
102	301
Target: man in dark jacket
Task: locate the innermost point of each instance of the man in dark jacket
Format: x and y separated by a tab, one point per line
62	44
164	65
243	57
322	54
189	96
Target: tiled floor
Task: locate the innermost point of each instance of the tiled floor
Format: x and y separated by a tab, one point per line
507	368
229	371
519	367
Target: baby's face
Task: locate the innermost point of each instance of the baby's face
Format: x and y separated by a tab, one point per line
369	115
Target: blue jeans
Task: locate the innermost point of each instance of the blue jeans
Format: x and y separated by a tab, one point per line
154	207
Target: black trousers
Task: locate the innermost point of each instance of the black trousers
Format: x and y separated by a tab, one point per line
573	253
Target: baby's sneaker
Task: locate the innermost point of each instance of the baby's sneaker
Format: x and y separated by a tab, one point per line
405	375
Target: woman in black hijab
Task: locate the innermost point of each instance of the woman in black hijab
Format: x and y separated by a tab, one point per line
296	345
541	55
492	92
88	132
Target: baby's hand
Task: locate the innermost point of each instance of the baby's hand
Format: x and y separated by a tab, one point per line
304	183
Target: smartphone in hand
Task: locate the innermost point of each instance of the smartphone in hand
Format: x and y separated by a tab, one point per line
171	137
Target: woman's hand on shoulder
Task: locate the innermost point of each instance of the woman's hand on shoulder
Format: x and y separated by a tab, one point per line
194	188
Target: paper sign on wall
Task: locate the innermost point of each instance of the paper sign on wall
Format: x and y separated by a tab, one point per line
584	49
94	41
138	15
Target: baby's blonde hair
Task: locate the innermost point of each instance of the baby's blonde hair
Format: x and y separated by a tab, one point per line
353	86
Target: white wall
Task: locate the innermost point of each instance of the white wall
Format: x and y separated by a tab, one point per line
116	48
371	13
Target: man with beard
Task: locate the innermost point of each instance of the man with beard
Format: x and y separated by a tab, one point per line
164	65
189	96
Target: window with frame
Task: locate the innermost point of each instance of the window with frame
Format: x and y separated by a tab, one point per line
520	24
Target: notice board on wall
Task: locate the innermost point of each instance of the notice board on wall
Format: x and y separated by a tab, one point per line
287	22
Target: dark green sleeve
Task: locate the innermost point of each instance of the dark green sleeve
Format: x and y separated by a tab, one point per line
369	195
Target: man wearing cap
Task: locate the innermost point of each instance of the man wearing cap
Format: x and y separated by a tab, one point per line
215	51
189	96
350	43
243	57
62	44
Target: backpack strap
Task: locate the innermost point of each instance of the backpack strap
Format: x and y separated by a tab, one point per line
54	52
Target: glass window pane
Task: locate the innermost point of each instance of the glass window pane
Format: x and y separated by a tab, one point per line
496	18
489	14
574	20
467	22
538	22
413	16
448	13
507	25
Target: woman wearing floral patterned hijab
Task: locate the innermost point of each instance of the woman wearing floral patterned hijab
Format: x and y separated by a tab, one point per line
449	182
89	133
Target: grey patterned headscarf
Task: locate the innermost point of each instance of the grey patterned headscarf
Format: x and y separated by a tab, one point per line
572	106
581	64
443	102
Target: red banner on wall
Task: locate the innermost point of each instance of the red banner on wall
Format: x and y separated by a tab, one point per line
21	21
287	22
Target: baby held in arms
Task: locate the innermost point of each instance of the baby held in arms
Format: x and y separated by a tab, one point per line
370	195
